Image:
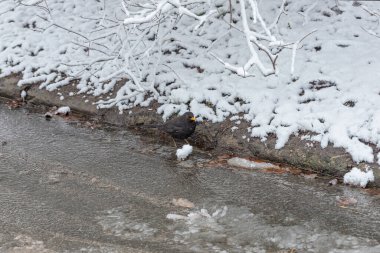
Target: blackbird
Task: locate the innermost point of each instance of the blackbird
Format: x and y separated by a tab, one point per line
181	127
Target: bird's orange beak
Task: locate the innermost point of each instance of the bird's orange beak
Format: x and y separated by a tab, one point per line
192	118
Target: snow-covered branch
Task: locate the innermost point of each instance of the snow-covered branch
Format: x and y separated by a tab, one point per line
165	6
263	41
254	59
141	47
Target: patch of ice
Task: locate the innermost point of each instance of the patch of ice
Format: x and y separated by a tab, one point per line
209	229
26	243
184	152
244	163
119	224
356	177
201	216
173	216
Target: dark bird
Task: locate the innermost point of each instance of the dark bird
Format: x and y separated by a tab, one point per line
181	127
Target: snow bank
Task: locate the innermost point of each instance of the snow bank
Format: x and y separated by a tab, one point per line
184	152
356	177
244	163
335	101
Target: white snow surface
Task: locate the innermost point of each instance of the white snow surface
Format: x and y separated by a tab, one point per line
357	177
184	152
333	92
63	110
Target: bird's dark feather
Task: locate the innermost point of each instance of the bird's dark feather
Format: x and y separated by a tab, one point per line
180	128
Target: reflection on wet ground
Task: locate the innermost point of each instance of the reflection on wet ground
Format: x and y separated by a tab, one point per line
70	189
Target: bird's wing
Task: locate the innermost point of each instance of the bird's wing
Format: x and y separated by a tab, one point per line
173	128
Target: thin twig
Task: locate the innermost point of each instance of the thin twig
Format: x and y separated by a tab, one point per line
370	32
163	64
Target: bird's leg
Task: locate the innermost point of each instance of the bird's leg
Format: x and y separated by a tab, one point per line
187	141
175	144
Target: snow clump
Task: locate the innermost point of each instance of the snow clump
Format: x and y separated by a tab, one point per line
356	177
184	152
63	110
23	95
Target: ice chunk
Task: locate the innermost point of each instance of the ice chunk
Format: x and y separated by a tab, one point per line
357	177
173	216
184	152
244	163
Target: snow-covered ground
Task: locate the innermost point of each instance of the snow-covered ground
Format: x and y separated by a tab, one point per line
334	91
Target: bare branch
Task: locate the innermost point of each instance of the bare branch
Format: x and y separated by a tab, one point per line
282	11
294	50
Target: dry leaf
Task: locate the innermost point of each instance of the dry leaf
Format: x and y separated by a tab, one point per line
13	104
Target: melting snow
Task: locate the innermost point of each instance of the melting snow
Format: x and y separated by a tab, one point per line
356	177
64	110
23	94
184	152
